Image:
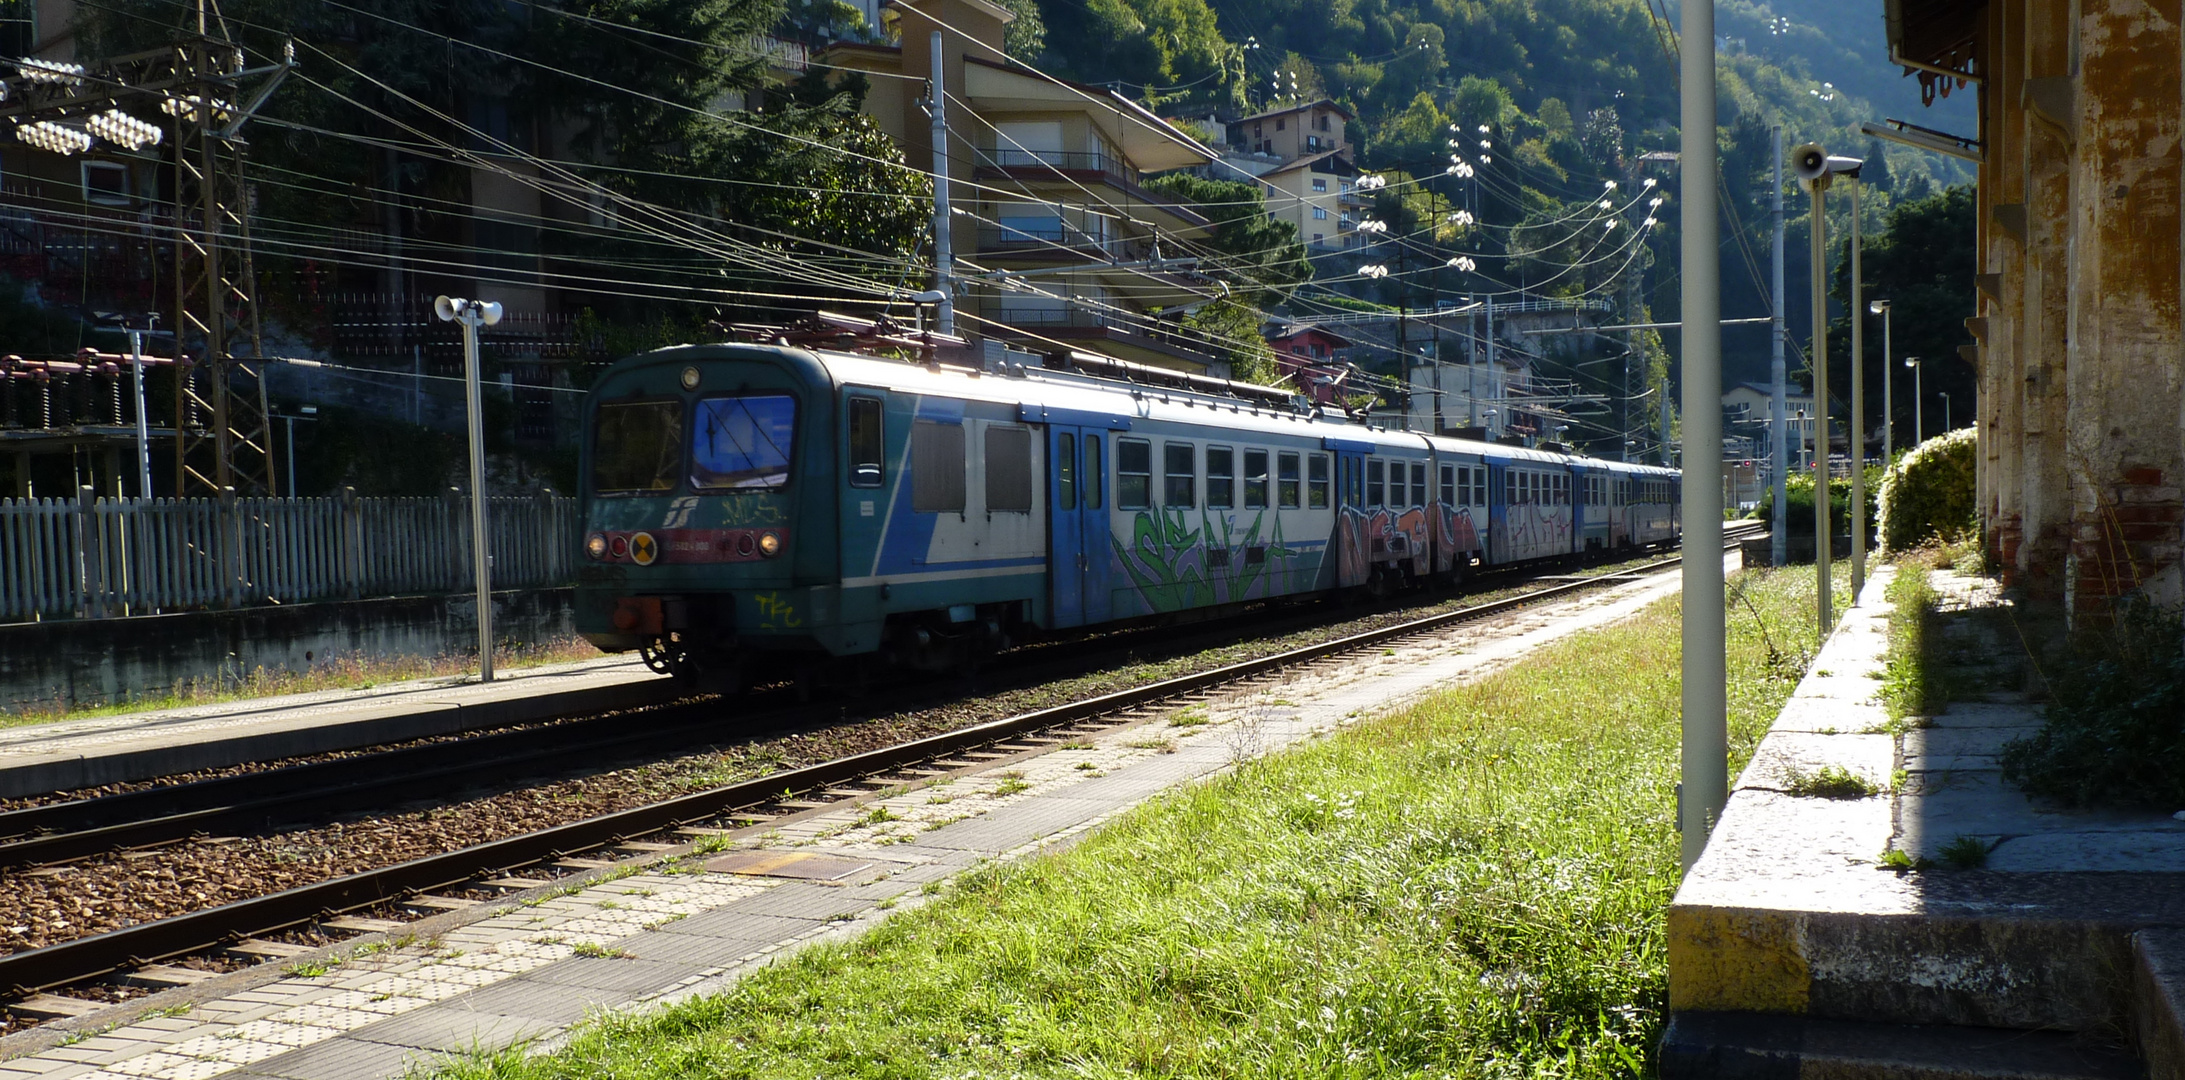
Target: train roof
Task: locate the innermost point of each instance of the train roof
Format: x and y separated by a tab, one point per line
1040	393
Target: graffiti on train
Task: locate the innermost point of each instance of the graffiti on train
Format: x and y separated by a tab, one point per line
1381	535
1174	562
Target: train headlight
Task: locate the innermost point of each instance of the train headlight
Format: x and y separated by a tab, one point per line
690	378
595	545
769	544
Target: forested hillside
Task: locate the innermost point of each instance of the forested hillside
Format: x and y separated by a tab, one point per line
1572	92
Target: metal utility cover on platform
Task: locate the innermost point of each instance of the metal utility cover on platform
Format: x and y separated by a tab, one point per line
804	865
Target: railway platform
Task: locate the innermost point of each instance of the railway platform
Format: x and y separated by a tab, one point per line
693	918
68	755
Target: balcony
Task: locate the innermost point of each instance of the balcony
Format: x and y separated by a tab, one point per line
1038	163
1049	236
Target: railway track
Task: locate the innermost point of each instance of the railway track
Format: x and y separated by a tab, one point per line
516	863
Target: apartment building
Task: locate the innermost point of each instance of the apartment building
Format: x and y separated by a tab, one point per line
1057	240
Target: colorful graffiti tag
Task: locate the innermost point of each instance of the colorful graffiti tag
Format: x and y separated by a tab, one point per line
1456	533
1381	535
1174	564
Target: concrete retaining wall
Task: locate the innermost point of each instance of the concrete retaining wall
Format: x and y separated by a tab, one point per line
93	661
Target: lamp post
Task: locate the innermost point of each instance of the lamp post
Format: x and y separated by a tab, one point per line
1889	417
306	413
1919	419
473	314
1945	396
1816	168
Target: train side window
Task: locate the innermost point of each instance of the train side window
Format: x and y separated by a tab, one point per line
1221	477
1376	481
936	468
1448	485
1181	471
1255	479
1418	483
1096	475
868	444
1286	480
1065	471
1009	470
1316	482
1133	473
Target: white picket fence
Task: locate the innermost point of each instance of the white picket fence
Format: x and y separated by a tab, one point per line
105	558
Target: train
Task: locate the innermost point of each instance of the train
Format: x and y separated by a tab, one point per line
771	509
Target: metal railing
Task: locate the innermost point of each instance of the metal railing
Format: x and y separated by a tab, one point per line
91	558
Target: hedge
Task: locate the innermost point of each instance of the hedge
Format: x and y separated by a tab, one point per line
1928	493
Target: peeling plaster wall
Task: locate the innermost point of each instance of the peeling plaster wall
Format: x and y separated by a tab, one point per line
2082	401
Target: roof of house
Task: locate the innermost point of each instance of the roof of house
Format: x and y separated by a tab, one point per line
1323	103
1310	160
1766	390
1282	331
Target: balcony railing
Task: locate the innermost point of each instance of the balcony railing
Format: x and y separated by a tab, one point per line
1073	160
1051	236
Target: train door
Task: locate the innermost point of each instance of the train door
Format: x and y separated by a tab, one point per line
1077	516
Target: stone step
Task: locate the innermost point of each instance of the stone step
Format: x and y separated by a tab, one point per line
1773	1046
2158	1001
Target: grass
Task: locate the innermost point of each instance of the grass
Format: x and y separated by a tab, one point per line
1828	782
599	952
1472	887
332	673
1913	685
1966	853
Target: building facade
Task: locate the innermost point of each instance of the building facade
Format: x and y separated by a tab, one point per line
1059	242
2081	400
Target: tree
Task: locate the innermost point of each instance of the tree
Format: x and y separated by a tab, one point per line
1265	258
1921	261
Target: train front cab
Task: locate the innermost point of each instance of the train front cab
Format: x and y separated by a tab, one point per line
709	530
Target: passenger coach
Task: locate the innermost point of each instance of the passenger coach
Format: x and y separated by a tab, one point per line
752	511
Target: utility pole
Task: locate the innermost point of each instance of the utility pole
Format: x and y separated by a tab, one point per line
944	313
200	83
1471	365
473	314
1497	411
1858	407
1778	375
1705	756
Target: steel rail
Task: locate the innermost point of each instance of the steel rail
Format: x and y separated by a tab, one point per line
60	964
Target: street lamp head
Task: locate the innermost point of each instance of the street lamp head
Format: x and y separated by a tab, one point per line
1911	361
1879	307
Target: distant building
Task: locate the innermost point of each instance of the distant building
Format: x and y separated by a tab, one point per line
1309	358
1054	193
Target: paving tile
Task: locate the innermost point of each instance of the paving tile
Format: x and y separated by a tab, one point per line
342	1059
740	922
557	1003
1001	832
457	1030
693	952
45	1068
628	976
796	900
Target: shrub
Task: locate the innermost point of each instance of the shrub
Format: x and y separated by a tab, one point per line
2115	730
1928	492
1799	494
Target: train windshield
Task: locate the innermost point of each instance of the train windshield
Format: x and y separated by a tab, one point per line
637	446
742	443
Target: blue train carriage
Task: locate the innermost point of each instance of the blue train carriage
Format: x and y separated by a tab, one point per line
1461	507
1531	516
1656	506
774	506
